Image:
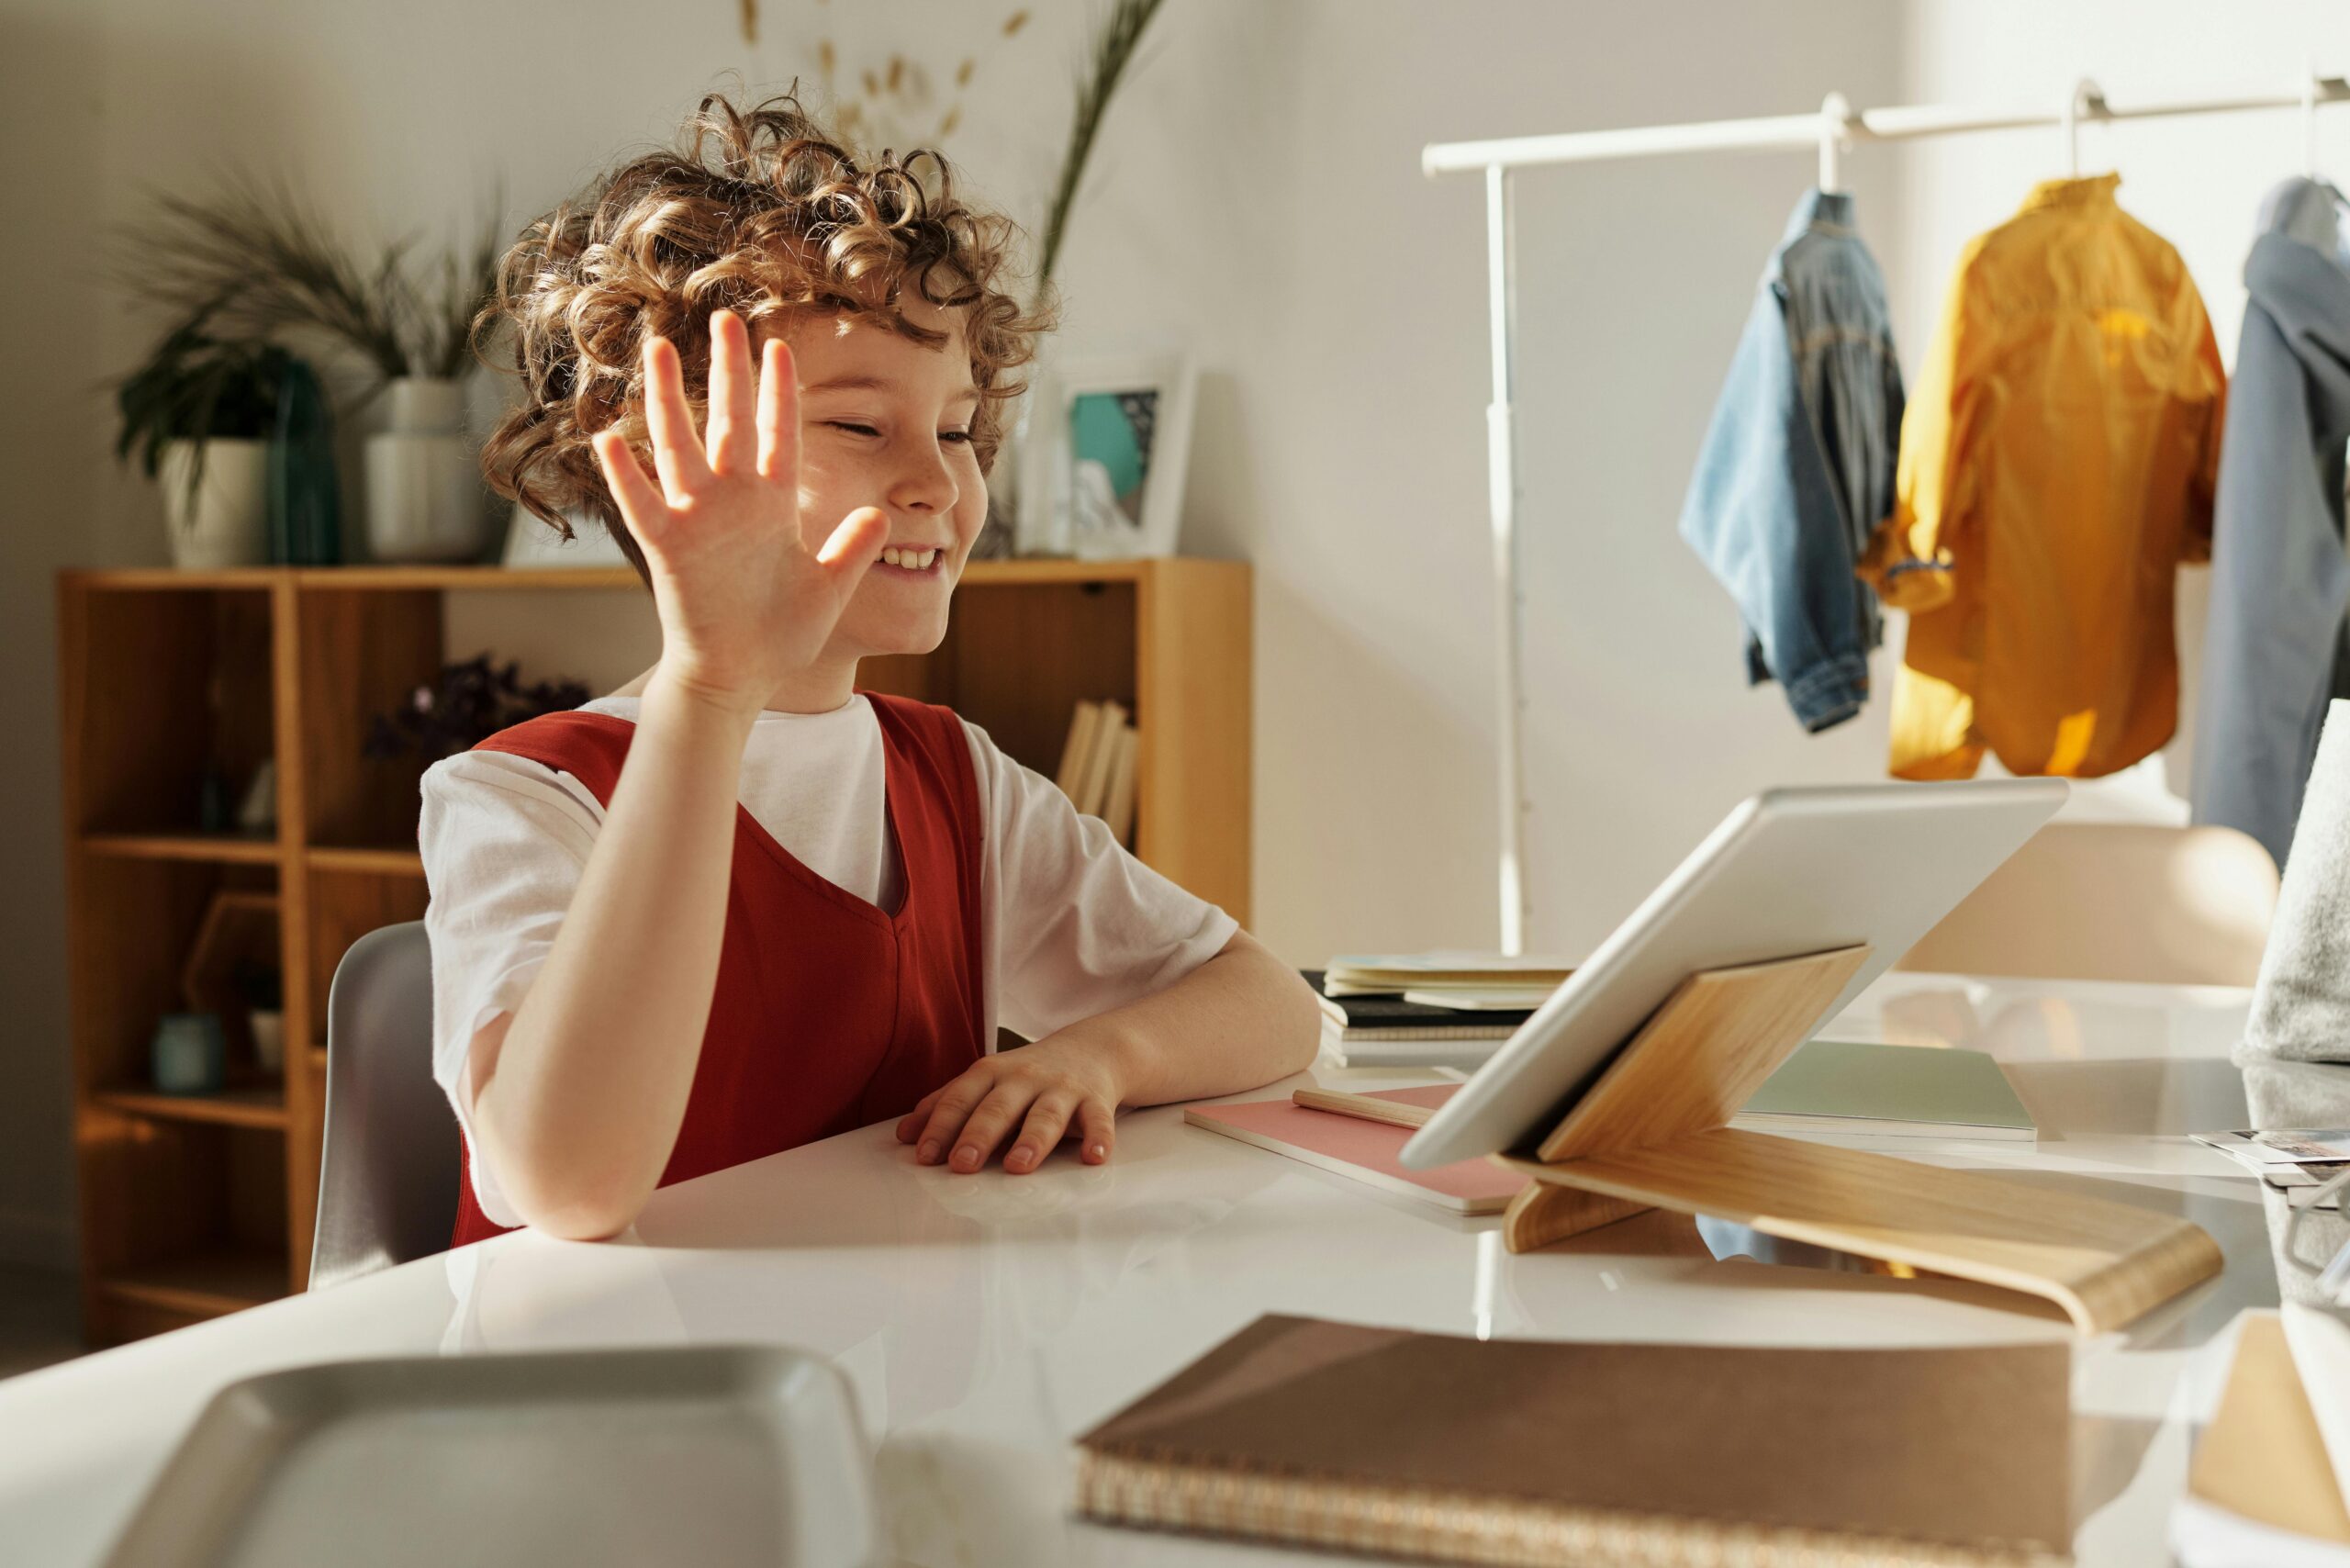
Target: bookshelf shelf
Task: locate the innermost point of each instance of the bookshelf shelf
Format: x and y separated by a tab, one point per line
194	1207
262	1106
235	850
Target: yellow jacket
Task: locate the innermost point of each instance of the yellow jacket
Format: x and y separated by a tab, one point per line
2057	463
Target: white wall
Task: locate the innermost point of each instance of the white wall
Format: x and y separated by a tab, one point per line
1376	811
1255	200
51	446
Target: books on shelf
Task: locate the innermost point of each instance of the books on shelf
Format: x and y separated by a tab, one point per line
1098	764
1118	803
1095	782
1458	1449
1077	752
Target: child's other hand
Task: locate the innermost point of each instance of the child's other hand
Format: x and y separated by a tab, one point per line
1055	1088
743	601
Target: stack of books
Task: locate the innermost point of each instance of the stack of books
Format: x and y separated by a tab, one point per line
1440	1009
1097	772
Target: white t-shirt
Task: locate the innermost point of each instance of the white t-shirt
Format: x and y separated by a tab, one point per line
1071	925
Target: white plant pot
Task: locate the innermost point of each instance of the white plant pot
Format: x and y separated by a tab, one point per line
269	1039
424	488
226	523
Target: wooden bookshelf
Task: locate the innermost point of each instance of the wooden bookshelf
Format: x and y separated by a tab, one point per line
192	1206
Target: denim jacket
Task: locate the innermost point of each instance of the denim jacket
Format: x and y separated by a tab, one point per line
1798	464
2276	648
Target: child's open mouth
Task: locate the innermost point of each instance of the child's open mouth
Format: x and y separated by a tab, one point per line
912	562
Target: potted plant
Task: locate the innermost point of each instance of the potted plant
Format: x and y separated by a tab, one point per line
197	415
275	268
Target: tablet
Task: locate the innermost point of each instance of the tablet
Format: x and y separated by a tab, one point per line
1789	872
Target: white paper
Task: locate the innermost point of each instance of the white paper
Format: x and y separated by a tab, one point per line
2283	1146
2208	1537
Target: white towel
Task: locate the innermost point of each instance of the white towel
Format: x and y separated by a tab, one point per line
2300	1007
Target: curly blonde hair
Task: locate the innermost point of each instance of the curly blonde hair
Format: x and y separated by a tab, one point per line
757	210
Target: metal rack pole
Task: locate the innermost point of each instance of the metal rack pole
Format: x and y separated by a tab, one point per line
1501	460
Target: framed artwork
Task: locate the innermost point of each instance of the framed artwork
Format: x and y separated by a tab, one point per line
1104	458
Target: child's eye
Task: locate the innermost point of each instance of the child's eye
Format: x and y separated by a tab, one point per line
955	435
852	428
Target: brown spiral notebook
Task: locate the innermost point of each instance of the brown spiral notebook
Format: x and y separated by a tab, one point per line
1537	1454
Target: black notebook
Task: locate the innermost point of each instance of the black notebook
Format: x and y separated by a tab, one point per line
1392	1018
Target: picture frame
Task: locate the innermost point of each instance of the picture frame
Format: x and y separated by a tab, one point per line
1104	458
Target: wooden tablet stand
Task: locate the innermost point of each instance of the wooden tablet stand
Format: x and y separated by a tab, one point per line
1651	1134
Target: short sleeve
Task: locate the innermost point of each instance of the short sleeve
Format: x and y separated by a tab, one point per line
505	841
1081	926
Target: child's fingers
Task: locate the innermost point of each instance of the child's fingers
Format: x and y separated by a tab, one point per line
779	413
912	1121
729	435
855	546
988	1125
638	498
1047	1119
1097	1129
954	1106
677	453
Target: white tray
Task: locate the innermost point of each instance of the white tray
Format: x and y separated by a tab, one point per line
714	1457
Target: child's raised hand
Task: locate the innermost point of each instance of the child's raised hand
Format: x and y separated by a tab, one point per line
744	602
1036	1097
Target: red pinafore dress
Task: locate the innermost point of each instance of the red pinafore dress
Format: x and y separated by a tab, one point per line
829	1013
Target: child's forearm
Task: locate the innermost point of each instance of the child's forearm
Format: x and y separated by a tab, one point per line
579	1104
1241	1019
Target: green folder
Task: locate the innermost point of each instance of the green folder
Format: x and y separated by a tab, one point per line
1908	1091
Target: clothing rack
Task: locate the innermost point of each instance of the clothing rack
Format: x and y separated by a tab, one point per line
1830	129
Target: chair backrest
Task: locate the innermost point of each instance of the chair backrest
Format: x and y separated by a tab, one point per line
387	1170
2114	901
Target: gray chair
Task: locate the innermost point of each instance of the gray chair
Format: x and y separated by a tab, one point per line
388	1169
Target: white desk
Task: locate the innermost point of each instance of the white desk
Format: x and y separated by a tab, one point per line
986	1321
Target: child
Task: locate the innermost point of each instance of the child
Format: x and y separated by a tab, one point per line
799	908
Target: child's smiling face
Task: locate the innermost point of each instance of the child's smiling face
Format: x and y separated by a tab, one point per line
886	422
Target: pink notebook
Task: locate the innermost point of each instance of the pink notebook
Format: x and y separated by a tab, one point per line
1364	1151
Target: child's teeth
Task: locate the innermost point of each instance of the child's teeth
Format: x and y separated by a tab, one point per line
889	556
927	557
